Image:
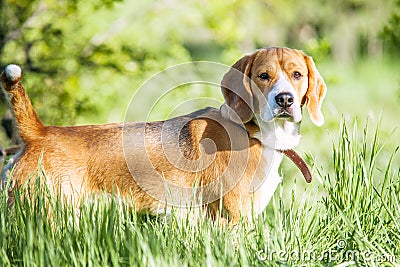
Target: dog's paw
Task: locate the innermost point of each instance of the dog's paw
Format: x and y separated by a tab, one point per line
13	72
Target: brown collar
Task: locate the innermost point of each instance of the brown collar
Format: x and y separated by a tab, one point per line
299	162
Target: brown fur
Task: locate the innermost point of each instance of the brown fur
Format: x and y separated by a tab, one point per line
138	159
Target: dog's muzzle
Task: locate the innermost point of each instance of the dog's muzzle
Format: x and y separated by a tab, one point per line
284	102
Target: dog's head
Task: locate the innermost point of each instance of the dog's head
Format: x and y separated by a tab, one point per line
273	84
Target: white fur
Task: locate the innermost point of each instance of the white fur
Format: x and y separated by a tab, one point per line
275	135
265	188
13	72
278	134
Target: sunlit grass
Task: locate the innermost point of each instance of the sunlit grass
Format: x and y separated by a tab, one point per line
352	217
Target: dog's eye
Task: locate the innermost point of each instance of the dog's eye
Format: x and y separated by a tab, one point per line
297	75
264	76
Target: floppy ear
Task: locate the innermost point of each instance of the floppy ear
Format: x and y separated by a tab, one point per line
236	90
315	93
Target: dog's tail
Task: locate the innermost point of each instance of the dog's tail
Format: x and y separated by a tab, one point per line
29	125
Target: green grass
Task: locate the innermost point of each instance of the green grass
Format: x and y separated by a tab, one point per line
349	216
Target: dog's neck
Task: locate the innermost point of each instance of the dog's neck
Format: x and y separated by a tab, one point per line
278	134
274	136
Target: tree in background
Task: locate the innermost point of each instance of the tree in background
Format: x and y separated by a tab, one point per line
73	53
46	38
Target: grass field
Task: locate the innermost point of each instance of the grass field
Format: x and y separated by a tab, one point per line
348	216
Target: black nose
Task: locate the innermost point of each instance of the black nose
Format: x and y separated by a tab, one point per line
284	100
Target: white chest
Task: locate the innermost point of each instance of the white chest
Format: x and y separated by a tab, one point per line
265	185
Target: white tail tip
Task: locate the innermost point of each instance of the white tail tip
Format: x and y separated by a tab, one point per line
13	72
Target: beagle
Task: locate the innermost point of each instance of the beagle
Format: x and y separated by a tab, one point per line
224	160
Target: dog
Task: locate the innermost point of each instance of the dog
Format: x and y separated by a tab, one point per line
225	160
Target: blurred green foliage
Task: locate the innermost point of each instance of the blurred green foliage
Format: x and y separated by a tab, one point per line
391	31
83	60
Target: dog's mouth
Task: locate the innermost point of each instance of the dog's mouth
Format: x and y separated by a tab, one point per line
284	114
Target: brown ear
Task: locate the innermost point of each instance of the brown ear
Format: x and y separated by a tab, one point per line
237	91
315	93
